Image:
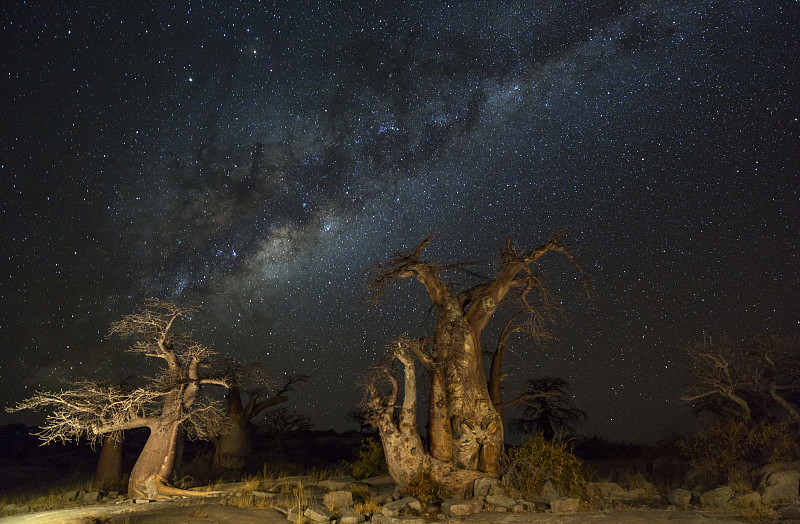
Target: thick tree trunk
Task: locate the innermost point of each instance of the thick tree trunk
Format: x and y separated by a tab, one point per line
477	427
156	461
109	463
440	432
406	456
233	446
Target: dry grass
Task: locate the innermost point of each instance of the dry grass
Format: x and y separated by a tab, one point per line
752	511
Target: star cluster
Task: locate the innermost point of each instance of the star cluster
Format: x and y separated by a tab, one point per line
257	158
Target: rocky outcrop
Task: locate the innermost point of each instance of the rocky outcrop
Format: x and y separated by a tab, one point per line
717	499
779	486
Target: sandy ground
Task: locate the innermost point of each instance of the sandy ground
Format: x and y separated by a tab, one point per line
184	511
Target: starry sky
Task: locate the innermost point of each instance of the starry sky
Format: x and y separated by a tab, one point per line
258	157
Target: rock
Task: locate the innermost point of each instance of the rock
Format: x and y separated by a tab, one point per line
549	492
396	507
350	517
460	507
383	519
15	509
496	489
482	486
318	513
337	483
71	495
293	514
91	496
264	495
780	486
747	500
113	494
565	505
500	500
719	499
338	499
611	491
680	497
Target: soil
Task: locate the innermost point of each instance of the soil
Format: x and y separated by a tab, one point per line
210	512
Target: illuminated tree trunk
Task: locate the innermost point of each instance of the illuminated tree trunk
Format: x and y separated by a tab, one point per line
109	463
235	443
465	425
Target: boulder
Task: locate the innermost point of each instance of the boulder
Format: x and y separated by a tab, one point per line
91	496
750	499
351	517
549	492
482	486
611	491
15	509
501	500
681	498
460	507
383	519
565	505
338	499
402	506
318	513
780	486
717	499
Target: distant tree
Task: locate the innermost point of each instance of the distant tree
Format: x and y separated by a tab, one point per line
361	417
108	472
465	427
281	423
750	379
234	444
549	408
166	404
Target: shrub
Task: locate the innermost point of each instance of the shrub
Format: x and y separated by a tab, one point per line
371	460
426	490
722	453
535	461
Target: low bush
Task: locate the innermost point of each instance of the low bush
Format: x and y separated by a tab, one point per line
371	461
426	490
535	461
725	452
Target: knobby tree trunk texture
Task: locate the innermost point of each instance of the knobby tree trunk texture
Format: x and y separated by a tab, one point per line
464	421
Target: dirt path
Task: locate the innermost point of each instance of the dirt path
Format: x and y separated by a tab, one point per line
209	512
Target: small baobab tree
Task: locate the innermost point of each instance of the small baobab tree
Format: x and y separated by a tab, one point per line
235	442
549	408
165	405
465	428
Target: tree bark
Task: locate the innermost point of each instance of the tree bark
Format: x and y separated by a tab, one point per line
156	461
109	463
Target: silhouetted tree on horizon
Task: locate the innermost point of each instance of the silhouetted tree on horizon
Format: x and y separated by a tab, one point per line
549	408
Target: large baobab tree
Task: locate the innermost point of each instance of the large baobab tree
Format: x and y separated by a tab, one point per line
746	379
234	444
465	428
165	405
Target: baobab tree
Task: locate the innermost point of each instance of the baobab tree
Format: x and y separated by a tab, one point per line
465	428
737	377
548	408
234	443
165	405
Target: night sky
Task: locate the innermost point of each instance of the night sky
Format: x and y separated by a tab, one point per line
257	158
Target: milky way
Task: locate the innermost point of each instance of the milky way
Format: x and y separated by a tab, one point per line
258	158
